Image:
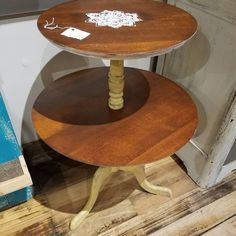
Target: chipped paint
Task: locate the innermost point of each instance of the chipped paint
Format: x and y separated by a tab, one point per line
16	197
14	183
9	148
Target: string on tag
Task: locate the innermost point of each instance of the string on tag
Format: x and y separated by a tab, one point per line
52	25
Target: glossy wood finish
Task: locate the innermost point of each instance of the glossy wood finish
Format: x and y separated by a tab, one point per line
163	28
72	116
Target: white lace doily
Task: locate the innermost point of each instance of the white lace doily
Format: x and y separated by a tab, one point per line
114	19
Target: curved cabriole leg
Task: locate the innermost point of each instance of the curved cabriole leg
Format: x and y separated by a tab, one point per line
100	176
140	175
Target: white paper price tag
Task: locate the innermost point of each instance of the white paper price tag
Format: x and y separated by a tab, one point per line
75	33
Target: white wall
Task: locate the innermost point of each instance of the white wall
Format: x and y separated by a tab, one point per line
28	62
205	66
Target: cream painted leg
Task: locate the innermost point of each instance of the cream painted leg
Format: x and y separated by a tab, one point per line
116	84
140	175
99	178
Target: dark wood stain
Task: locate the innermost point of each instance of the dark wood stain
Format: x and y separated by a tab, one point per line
90	107
163	28
72	117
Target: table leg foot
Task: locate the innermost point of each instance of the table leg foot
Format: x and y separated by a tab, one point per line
140	175
99	178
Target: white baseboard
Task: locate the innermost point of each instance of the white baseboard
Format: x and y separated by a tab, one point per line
18	182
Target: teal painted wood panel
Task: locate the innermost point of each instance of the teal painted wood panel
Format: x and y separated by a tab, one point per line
10	166
9	148
16	197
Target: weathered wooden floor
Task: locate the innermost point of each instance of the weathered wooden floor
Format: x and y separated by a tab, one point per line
62	187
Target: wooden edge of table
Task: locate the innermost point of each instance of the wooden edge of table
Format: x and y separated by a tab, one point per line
122	56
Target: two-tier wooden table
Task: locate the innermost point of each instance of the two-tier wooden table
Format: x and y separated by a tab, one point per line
116	118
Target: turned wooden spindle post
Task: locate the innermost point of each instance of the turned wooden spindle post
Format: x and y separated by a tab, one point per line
116	84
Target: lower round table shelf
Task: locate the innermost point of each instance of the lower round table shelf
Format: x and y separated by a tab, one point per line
73	117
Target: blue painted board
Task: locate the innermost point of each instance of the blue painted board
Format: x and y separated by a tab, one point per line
14	198
10	151
9	148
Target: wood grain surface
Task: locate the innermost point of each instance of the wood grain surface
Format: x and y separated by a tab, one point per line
72	116
163	28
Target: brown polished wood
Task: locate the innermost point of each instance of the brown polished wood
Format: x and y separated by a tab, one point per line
163	28
72	116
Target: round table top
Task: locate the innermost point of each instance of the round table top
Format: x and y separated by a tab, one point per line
163	28
72	116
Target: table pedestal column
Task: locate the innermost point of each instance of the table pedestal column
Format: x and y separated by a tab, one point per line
116	84
99	178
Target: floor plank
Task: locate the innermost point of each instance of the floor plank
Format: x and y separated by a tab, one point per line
170	212
62	188
227	228
203	219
